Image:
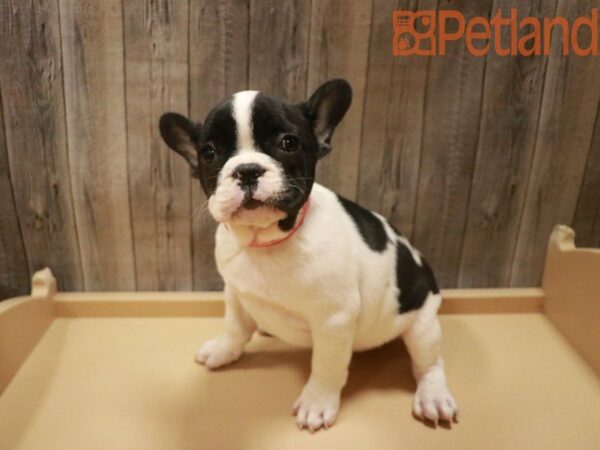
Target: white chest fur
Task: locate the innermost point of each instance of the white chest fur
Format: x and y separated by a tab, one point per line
323	270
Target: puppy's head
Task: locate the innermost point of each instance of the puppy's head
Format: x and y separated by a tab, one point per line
256	155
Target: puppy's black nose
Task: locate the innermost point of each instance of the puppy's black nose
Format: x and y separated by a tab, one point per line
248	173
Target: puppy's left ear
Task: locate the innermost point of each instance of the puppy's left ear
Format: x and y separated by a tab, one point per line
179	133
325	109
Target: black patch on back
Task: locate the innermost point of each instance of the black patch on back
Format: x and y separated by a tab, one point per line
370	227
415	282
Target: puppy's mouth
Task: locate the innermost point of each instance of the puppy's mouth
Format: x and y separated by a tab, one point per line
252	203
256	213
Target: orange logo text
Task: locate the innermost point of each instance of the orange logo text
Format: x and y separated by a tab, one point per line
429	32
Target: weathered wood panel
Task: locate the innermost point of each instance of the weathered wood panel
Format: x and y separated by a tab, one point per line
14	272
474	158
34	118
218	68
279	66
569	105
512	97
156	75
587	215
392	124
339	44
450	134
92	39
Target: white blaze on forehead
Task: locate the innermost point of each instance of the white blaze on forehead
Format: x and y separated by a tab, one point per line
242	114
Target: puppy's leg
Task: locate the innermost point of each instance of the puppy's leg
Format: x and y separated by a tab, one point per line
228	347
433	400
319	402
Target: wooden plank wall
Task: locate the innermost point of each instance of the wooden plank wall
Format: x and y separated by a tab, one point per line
473	158
505	148
33	100
156	80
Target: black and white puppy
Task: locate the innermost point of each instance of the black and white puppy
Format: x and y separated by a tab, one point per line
300	262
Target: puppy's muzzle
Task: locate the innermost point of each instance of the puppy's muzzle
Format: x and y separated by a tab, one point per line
247	176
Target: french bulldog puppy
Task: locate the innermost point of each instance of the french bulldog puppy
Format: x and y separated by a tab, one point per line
300	262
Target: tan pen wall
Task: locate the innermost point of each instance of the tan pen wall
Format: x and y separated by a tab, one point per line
572	299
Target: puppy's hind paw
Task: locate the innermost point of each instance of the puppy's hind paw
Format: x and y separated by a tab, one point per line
218	352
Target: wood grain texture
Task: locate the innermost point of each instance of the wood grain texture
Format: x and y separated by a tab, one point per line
587	215
450	135
473	158
278	66
392	124
34	118
339	43
512	97
92	39
156	75
14	272
218	69
569	105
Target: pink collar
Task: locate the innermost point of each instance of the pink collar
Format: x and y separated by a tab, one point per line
301	215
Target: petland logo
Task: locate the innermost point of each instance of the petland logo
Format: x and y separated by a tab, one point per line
428	32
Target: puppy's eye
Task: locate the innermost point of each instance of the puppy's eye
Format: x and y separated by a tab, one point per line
289	143
207	153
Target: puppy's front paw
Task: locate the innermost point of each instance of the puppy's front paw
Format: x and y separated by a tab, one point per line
433	401
219	352
316	408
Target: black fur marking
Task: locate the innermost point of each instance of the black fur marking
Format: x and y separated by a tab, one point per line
219	129
288	223
369	226
272	119
415	282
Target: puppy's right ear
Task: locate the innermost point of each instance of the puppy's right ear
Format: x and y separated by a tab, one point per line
179	133
325	109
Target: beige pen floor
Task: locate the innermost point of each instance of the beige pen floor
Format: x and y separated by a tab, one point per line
131	383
